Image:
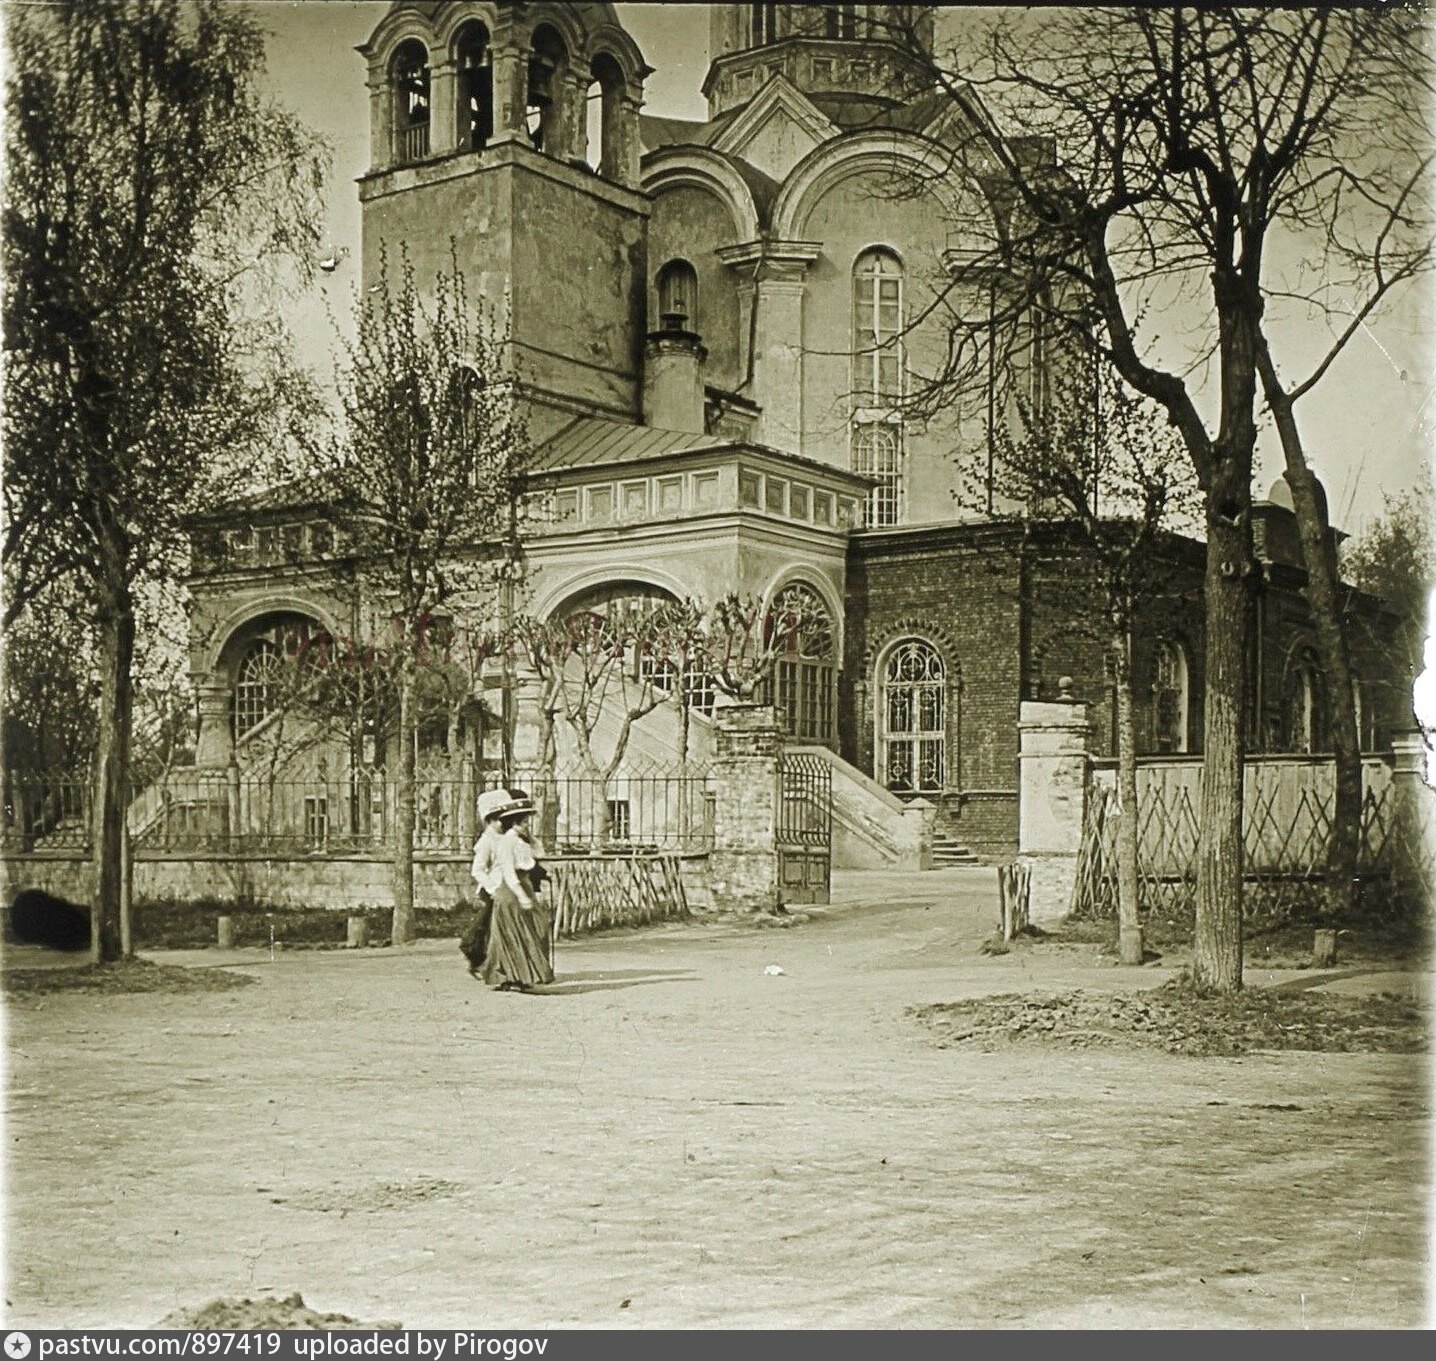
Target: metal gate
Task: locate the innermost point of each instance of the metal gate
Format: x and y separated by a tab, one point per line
805	828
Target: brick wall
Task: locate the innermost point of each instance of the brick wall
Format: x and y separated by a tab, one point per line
958	588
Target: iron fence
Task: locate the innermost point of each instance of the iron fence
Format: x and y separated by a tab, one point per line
355	810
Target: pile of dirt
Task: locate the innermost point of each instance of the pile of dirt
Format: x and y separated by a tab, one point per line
124	975
1176	1019
266	1312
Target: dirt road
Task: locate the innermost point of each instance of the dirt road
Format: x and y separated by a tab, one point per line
677	1138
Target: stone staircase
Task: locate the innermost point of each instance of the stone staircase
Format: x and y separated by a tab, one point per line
947	851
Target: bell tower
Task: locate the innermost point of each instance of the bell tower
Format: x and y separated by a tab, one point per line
508	135
860	51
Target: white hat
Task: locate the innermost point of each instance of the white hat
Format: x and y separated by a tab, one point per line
491	801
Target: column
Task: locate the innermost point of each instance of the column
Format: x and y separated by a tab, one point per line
1411	849
443	108
778	355
1055	739
629	149
511	76
743	865
381	104
215	743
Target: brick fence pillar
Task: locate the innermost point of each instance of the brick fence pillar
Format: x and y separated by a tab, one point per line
743	865
1055	739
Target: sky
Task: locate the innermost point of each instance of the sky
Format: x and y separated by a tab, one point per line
1368	427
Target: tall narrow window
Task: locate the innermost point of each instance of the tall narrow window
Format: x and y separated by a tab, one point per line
678	296
1304	705
475	87
604	94
1030	360
545	82
763	24
877	328
411	102
257	685
1169	698
877	453
912	718
1365	714
803	686
840	21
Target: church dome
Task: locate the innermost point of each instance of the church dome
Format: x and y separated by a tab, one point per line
857	51
1280	495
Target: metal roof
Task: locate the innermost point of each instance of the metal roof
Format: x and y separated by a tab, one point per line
588	440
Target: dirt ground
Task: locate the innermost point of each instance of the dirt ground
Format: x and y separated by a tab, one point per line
675	1137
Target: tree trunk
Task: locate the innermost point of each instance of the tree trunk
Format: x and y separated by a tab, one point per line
112	776
1217	939
1129	923
1319	557
402	930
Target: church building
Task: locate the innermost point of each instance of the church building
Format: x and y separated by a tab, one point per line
713	326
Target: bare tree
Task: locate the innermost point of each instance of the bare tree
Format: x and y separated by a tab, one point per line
148	183
1215	164
1115	477
423	480
742	640
618	664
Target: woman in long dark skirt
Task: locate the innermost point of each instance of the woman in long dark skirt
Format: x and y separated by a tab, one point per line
518	953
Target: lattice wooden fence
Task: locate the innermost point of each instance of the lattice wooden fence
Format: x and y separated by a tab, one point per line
592	892
1286	828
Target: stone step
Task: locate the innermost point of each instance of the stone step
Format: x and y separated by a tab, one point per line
948	850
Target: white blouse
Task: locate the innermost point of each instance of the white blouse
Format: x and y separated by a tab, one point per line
485	874
512	855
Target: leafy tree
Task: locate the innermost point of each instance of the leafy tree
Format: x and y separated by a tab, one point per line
1224	164
148	184
1395	558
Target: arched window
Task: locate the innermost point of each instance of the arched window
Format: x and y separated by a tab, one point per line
1169	698
803	687
677	287
257	685
547	61
1304	704
877	453
762	24
604	93
411	102
474	63
912	719
877	328
465	410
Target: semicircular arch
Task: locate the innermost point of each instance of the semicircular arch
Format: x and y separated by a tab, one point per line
698	168
802	574
871	152
452	22
549	601
923	631
223	634
393	31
